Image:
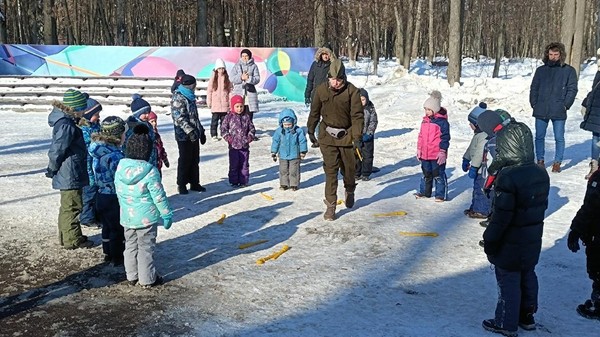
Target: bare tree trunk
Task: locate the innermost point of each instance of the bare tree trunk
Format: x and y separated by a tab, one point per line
374	35
417	31
351	40
408	34
567	30
455	42
577	47
3	32
430	51
500	41
201	24
121	28
50	35
219	30
320	22
399	35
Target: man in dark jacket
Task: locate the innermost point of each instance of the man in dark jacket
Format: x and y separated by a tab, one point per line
317	73
67	167
552	93
585	227
337	105
513	238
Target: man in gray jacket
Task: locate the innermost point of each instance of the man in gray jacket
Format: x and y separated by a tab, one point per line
552	93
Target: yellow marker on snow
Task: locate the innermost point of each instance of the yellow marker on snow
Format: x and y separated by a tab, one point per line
398	213
432	234
266	196
273	256
250	244
339	202
221	219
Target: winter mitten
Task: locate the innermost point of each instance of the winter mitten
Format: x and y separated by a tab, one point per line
573	241
166	162
307	101
313	139
466	164
441	157
367	137
473	172
274	156
167	222
302	155
193	136
50	173
202	138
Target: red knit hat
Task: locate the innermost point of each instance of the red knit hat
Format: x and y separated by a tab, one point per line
152	116
235	100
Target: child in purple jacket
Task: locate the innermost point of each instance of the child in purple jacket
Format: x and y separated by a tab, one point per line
238	130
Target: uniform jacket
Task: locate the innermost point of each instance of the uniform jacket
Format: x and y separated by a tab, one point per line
67	155
591	120
289	143
105	155
553	90
141	195
513	238
238	130
434	135
338	109
185	115
88	129
476	152
317	73
218	100
246	88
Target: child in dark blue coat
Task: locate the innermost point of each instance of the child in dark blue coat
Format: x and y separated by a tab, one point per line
289	142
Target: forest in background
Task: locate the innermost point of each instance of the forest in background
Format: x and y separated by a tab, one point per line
405	29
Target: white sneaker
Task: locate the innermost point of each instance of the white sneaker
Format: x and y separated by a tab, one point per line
216	139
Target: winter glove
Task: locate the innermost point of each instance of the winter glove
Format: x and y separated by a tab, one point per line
573	241
302	155
473	172
441	157
357	144
166	162
313	139
466	164
167	222
367	137
274	156
50	173
250	139
193	136
307	101
202	138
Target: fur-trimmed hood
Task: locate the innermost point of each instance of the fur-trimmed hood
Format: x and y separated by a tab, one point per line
59	111
99	137
321	51
561	48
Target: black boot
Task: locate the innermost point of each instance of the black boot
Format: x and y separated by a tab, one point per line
526	320
590	309
350	196
197	188
182	189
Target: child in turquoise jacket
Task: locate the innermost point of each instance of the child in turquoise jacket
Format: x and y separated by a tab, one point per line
289	142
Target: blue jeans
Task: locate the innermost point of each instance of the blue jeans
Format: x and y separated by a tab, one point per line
433	174
558	127
595	146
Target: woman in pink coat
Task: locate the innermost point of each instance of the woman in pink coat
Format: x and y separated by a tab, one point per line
217	97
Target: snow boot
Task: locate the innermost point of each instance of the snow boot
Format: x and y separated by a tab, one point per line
490	325
541	164
329	214
350	196
526	320
593	168
556	167
589	310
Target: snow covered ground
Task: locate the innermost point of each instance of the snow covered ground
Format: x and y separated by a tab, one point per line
356	276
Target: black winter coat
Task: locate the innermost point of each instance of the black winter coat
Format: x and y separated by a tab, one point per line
513	238
316	75
587	219
514	145
591	120
553	90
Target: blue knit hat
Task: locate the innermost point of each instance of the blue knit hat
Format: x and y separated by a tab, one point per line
139	106
92	108
75	99
476	112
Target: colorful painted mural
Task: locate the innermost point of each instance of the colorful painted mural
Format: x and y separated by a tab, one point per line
283	71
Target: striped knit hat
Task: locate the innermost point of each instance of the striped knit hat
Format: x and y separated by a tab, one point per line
112	126
75	99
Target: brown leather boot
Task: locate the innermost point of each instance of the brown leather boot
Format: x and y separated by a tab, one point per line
329	214
350	196
556	167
